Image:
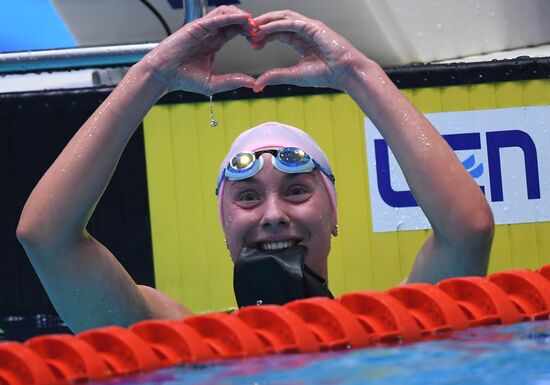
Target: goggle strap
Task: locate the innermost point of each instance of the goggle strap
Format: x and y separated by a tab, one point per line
324	171
222	177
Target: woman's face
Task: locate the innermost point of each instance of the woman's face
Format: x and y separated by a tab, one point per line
274	210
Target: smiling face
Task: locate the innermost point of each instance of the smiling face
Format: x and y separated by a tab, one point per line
274	210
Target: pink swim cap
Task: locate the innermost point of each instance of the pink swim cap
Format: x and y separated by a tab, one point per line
277	135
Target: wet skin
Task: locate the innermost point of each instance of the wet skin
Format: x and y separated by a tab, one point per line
274	206
268	208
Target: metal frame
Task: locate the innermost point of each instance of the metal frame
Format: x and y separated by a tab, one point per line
88	57
73	58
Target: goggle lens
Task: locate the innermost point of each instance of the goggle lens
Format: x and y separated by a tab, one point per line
293	156
242	161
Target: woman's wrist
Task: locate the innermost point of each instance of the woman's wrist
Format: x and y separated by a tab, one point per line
153	80
362	75
370	87
135	94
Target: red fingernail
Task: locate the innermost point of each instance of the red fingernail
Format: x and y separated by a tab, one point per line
254	28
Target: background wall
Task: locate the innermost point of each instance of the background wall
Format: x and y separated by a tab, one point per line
183	154
34	128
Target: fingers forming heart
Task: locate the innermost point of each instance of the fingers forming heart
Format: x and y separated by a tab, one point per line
288	28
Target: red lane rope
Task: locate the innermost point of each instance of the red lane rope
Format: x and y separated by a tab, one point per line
407	313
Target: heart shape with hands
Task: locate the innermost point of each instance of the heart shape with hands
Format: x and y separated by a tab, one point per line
184	60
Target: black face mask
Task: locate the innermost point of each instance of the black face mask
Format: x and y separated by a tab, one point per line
275	277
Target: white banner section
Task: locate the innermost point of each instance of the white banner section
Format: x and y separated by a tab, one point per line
505	150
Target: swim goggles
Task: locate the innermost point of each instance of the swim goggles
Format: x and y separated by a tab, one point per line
290	160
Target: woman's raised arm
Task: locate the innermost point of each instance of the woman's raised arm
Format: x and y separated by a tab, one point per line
461	219
85	282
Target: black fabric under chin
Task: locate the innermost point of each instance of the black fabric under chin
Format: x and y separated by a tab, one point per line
275	277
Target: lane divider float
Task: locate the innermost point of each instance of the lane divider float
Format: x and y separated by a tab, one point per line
407	313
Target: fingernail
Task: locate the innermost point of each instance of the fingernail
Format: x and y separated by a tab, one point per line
259	89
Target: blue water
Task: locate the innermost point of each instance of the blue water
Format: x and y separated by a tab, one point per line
517	354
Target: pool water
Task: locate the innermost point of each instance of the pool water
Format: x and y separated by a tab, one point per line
517	354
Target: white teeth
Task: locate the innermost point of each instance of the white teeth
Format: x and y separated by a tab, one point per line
277	245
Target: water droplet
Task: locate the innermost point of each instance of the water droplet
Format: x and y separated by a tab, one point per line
213	121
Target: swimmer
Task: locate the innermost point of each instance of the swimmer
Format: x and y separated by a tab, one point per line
271	195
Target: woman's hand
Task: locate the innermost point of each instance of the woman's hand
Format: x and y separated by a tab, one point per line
326	57
184	60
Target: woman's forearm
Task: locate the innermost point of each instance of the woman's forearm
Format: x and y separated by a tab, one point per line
450	198
62	202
